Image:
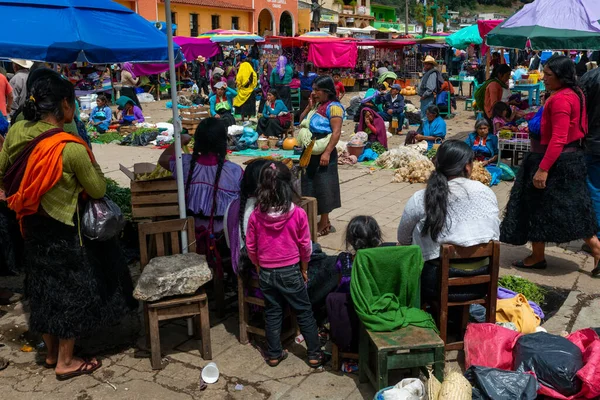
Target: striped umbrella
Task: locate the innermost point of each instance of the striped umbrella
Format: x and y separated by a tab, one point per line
233	37
551	24
209	34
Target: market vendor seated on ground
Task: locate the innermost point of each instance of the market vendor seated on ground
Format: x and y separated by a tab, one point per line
484	145
373	125
433	129
129	112
393	105
221	104
276	118
203	171
101	115
453	200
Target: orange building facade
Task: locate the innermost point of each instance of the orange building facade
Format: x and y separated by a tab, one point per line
193	17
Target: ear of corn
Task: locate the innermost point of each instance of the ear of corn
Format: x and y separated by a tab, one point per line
455	387
433	387
305	158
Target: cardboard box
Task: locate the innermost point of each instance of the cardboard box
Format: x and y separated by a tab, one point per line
153	198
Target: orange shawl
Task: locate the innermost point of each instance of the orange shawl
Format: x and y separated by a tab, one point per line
44	170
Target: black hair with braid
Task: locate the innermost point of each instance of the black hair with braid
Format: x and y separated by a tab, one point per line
452	158
564	70
275	191
210	138
363	232
248	189
46	90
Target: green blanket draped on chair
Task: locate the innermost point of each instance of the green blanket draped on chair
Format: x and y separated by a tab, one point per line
385	288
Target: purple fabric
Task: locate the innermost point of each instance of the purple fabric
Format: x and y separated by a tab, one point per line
151	69
129	68
233	230
264	80
378	123
280	66
509	294
194	47
137	113
200	194
578	15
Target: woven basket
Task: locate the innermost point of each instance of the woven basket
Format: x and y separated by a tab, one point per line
273	143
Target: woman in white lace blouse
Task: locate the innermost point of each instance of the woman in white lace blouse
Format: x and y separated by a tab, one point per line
452	209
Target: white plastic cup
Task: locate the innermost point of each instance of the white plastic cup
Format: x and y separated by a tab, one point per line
210	373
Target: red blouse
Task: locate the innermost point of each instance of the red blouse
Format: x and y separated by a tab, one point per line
562	123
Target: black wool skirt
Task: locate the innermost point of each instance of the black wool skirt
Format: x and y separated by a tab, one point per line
271	127
73	290
227	118
248	109
323	183
560	213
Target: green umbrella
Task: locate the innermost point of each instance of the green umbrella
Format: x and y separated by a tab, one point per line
551	24
465	37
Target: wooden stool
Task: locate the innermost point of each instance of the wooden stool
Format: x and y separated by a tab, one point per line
196	305
409	347
337	356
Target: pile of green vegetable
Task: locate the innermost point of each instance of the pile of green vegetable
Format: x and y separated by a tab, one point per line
378	148
108	137
431	153
120	195
528	289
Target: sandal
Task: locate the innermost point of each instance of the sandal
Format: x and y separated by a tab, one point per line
326	231
273	362
322	360
82	370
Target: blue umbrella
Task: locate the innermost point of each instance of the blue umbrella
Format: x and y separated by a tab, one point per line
65	31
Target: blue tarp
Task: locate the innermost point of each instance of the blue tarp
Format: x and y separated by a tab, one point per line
65	31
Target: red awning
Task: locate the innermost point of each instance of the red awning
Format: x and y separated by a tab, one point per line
296	41
486	27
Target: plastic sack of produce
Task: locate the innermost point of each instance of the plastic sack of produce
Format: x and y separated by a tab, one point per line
497	384
553	359
480	350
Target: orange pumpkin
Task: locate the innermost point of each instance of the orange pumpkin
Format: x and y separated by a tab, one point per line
289	143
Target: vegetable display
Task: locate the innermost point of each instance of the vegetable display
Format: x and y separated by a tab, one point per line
480	174
158	173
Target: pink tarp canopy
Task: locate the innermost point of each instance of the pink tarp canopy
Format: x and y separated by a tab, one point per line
191	49
486	27
146	69
333	54
298	41
194	47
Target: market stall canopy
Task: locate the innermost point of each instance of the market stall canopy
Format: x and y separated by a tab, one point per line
67	31
465	37
333	55
485	27
298	41
235	37
194	47
551	24
387	44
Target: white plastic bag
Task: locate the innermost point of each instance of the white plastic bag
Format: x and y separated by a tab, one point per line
407	389
145	98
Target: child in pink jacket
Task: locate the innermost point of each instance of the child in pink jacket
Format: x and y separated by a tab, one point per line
279	245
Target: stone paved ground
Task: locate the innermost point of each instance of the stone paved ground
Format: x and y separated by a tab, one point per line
126	372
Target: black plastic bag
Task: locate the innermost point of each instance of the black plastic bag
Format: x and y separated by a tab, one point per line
139	140
497	384
102	219
554	360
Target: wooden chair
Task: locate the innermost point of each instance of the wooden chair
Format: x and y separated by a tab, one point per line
448	253
152	237
337	356
245	298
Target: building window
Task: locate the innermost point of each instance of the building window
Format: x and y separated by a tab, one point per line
174	22
235	23
193	25
215	21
